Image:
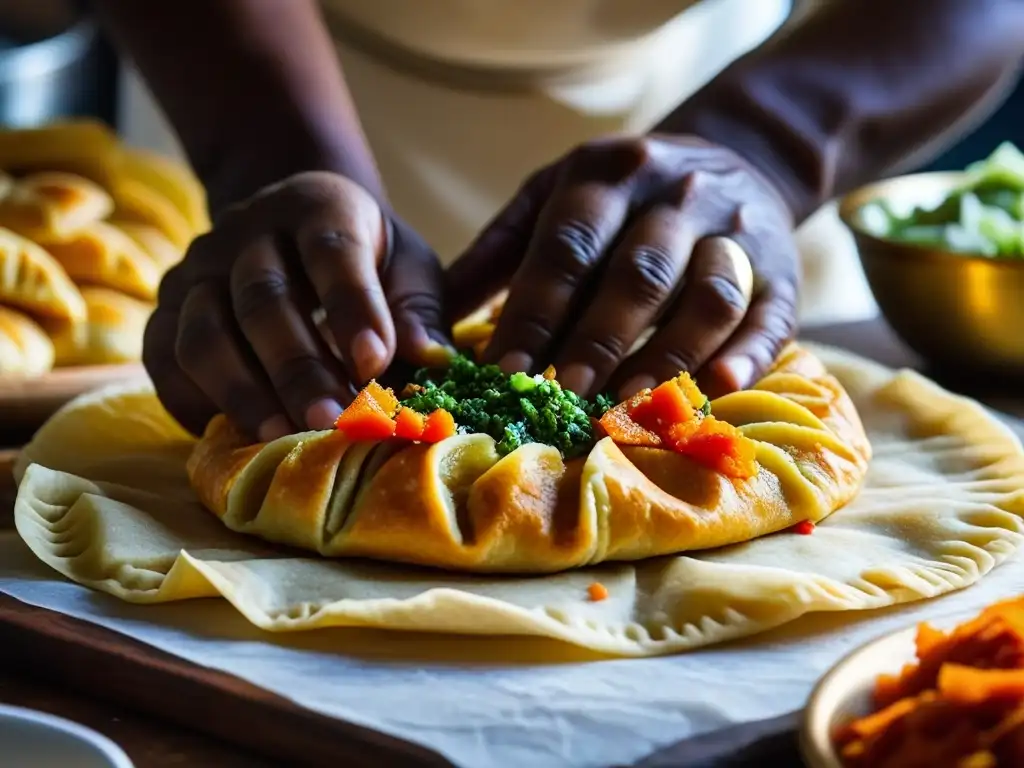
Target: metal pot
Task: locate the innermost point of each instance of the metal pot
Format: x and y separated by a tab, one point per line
53	76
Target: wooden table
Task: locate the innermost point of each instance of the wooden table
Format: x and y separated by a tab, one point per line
153	743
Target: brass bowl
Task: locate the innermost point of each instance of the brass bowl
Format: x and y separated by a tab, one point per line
956	310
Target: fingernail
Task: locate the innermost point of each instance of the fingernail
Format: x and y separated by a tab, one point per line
577	378
369	355
322	414
516	362
636	384
273	428
737	371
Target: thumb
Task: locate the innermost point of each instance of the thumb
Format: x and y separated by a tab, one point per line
413	284
487	266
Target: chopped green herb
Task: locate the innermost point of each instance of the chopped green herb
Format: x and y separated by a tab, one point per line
514	410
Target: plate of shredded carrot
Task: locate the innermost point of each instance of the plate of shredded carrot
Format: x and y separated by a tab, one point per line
925	696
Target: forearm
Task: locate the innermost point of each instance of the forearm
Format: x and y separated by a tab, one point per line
253	89
858	88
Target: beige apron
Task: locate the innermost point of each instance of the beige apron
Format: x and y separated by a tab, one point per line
462	99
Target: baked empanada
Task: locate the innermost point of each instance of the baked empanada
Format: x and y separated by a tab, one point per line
138	202
111	334
32	280
173	181
103	255
52	205
154	242
789	451
25	349
81	146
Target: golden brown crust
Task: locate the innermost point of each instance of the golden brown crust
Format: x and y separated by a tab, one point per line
111	334
53	205
458	505
33	281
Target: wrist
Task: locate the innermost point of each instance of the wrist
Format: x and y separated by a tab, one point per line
750	128
259	160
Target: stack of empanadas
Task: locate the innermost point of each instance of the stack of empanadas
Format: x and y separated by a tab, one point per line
87	229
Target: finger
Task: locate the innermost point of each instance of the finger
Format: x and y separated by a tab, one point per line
710	307
769	324
641	278
180	397
573	233
211	350
487	266
307	378
340	248
414	285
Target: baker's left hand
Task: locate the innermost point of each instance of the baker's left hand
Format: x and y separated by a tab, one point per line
621	235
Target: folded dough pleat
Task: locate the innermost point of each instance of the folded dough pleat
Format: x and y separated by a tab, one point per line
111	334
53	205
25	349
33	281
100	254
456	504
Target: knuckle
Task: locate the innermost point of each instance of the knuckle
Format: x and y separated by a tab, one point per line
604	351
577	248
422	304
690	189
720	300
533	333
651	274
611	160
342	297
677	359
200	326
254	289
300	378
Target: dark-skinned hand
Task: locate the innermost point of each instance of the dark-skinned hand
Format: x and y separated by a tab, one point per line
624	234
234	329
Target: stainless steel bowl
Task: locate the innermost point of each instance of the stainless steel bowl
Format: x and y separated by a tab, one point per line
47	74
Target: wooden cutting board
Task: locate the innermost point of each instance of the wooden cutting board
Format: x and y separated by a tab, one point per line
25	403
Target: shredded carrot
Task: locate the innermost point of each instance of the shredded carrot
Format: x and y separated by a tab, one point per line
960	704
597	592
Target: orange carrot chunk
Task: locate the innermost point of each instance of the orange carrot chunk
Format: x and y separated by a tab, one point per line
716	445
438	426
597	592
409	424
365	419
619	424
385	398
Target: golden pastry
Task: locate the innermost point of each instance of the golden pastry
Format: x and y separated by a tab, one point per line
32	280
112	333
165	253
81	146
668	476
101	254
25	349
135	201
171	180
52	205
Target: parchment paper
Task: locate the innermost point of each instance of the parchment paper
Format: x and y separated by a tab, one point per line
484	713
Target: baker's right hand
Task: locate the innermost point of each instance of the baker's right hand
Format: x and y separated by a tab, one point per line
234	331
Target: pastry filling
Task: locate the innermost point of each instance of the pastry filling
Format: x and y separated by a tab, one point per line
517	409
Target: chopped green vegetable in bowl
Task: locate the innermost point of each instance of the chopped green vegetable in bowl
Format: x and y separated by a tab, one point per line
985	215
514	410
